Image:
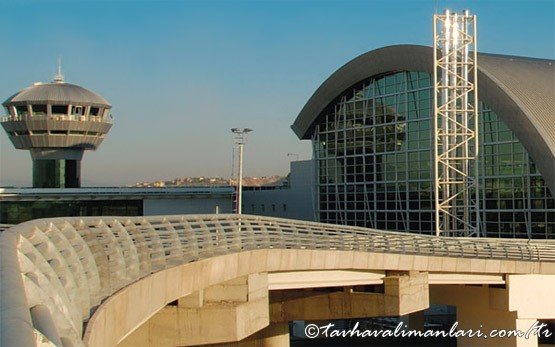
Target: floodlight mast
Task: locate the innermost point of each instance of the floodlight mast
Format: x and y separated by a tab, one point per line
240	138
455	127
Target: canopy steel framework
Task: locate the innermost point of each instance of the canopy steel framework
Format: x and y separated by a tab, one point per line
455	125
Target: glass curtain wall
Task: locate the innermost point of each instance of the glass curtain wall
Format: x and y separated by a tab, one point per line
15	212
373	149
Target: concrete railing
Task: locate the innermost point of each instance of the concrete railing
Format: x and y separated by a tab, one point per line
56	272
5	226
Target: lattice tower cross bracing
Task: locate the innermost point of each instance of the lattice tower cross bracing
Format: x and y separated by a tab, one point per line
455	125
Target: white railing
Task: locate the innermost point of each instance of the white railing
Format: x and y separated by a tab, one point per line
59	117
69	265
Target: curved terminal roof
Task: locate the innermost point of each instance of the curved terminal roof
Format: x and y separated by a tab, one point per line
57	92
520	90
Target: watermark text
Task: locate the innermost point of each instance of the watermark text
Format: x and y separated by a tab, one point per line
314	331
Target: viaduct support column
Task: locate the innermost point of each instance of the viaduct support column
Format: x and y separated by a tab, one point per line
403	293
501	311
227	312
275	335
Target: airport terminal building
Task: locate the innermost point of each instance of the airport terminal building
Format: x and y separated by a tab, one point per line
370	124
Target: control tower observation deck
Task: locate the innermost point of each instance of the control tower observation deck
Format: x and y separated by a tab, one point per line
56	122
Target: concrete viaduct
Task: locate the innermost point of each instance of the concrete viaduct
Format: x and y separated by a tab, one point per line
238	279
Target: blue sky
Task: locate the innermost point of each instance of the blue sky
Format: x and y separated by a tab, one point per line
180	74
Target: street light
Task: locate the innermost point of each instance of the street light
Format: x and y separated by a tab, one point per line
239	139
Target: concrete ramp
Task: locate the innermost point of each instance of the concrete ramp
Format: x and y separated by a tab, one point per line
93	281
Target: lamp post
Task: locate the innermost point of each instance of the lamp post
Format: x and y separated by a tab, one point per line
239	139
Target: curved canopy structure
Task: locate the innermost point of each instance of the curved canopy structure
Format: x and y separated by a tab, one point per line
520	90
57	92
92	281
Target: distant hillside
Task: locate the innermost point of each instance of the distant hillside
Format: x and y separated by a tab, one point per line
216	181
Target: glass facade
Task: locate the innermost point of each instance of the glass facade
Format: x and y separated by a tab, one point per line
15	212
373	148
56	173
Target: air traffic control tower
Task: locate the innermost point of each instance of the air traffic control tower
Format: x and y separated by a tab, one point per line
56	122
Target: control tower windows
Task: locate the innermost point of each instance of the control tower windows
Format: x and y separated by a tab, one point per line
22	110
77	110
39	110
59	109
94	111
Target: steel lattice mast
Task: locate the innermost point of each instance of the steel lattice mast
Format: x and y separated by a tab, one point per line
455	125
